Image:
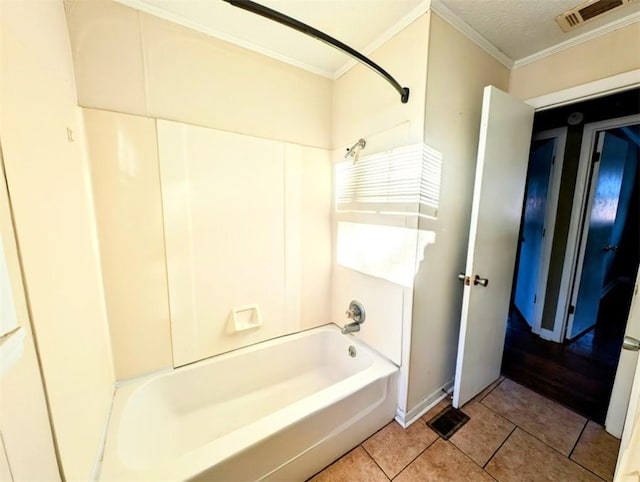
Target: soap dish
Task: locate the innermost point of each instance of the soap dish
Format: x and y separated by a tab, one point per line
245	317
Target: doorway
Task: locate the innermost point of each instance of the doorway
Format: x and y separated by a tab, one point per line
572	356
609	251
538	222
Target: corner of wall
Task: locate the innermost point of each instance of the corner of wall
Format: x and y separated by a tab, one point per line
81	137
47	178
460	68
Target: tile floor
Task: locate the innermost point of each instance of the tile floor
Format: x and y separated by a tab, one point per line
513	434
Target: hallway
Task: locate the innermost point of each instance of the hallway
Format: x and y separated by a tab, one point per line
579	374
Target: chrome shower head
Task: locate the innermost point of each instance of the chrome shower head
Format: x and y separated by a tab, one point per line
354	150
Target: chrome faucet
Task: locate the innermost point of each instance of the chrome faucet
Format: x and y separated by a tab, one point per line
351	327
357	314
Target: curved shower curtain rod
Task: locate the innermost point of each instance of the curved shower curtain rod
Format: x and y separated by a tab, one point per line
315	33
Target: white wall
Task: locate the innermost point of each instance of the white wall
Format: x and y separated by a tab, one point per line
233	207
418	327
458	70
123	158
364	105
250	228
47	173
610	54
132	62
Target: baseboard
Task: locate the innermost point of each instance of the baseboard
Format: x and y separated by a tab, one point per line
407	418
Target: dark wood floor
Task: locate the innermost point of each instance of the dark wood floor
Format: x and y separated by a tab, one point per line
580	374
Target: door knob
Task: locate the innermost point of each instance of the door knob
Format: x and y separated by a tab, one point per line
630	343
480	281
464	278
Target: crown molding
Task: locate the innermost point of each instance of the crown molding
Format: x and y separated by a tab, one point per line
585	37
590	90
472	34
422	8
171	17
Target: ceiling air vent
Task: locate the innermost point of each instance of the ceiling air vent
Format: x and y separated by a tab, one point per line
586	11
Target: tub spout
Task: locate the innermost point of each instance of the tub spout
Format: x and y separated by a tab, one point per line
351	327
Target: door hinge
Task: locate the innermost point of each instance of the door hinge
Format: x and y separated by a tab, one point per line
599	146
553	160
535	298
572	309
544	232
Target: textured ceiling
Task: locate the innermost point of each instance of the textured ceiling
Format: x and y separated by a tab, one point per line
518	28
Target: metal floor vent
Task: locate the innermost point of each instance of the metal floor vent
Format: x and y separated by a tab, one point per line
448	422
586	11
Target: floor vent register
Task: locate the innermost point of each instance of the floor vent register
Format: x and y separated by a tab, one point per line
448	422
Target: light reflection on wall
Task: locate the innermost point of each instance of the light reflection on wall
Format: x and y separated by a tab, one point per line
392	189
609	181
605	204
388	252
127	156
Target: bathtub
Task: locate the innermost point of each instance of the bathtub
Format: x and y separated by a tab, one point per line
278	410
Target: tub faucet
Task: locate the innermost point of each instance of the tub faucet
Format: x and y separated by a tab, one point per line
357	314
351	327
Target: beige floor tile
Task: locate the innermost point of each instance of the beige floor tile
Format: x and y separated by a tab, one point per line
597	451
442	462
394	447
550	422
439	407
481	436
523	458
489	389
353	467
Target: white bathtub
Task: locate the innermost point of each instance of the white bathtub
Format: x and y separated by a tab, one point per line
279	410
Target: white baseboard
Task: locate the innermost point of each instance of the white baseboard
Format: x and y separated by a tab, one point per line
407	418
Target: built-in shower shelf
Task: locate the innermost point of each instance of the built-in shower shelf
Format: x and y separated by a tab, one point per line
245	318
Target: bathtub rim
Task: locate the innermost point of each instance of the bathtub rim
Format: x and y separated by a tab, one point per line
124	390
330	326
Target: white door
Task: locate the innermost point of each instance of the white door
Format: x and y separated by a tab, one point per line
628	467
592	141
503	153
540	205
596	252
626	368
26	439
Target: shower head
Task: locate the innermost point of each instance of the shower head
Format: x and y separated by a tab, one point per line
354	150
